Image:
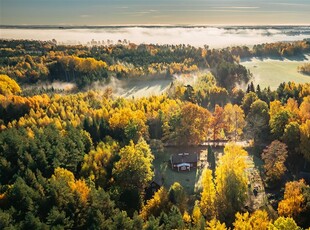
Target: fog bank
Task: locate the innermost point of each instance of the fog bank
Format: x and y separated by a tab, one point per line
215	37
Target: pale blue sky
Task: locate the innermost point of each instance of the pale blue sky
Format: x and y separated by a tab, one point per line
123	12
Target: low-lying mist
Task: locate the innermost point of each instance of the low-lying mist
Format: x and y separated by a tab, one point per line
56	85
215	37
134	87
145	86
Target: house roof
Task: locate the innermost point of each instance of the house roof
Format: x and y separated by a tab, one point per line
184	158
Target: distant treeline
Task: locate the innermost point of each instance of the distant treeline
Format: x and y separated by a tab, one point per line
278	49
32	61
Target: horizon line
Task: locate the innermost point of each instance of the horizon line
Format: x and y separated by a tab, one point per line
151	25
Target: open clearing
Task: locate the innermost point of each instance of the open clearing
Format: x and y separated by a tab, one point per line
191	180
188	179
271	72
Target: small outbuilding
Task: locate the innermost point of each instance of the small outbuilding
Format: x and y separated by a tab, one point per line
184	161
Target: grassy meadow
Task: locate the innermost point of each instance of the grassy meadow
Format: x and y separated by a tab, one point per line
271	72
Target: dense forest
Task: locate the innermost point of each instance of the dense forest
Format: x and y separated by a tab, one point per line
83	159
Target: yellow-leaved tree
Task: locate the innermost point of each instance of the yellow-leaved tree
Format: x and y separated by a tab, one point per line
258	220
129	122
98	160
215	224
68	188
234	120
197	217
231	182
134	168
283	223
69	192
156	205
81	190
8	86
186	218
304	109
208	195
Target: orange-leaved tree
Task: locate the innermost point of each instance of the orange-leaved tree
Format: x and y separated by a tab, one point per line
293	201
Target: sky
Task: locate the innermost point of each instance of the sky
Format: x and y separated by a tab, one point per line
154	12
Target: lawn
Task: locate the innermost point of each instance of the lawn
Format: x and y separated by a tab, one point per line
190	180
270	72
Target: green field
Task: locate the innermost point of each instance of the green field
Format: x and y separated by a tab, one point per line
270	72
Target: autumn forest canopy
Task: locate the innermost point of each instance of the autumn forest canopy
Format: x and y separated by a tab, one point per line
83	157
